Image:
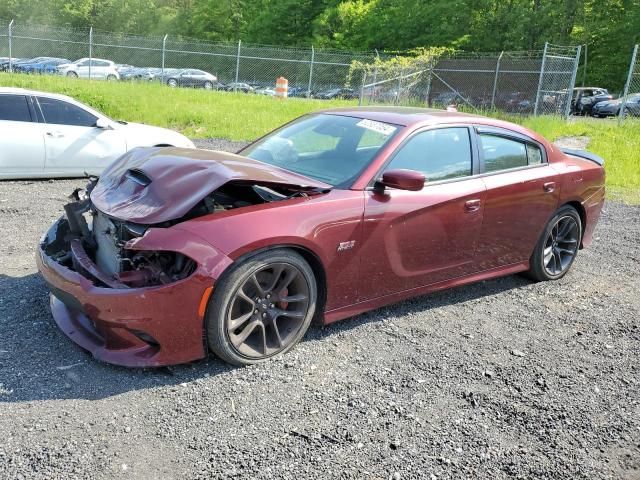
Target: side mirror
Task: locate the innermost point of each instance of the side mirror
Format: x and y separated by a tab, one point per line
102	124
402	180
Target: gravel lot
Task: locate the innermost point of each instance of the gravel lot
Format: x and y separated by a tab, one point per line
501	379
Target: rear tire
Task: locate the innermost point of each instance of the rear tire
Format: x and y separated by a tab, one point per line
208	86
111	78
558	246
261	307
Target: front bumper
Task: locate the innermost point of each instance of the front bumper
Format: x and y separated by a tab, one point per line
136	327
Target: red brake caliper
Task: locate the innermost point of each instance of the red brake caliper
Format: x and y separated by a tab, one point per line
283	293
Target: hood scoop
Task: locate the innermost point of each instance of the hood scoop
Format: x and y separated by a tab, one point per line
156	185
138	177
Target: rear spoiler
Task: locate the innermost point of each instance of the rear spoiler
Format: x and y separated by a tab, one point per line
584	154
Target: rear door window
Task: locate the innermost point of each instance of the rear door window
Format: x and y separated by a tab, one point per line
63	113
534	154
14	108
501	153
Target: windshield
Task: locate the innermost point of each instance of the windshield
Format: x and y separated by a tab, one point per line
331	148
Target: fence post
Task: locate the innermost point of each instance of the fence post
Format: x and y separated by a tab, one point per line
574	75
495	81
544	60
397	99
430	68
313	56
235	89
627	85
364	79
584	70
10	46
164	48
90	50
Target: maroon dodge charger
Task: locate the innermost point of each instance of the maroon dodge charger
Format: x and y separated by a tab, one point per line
175	251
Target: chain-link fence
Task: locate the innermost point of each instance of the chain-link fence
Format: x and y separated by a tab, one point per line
536	82
521	82
630	101
237	66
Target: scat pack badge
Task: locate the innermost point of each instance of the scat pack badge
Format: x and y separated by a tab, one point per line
343	246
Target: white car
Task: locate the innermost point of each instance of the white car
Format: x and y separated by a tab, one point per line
44	135
268	91
94	68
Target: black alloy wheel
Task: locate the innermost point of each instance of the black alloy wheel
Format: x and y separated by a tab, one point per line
561	245
558	246
262	307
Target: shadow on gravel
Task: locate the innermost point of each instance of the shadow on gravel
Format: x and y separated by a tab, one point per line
427	302
37	362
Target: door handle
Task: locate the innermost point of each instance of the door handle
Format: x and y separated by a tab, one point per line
55	134
472	205
549	187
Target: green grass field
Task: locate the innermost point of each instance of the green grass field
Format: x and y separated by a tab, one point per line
196	113
202	114
619	145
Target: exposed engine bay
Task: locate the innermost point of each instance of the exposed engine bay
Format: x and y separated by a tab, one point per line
92	243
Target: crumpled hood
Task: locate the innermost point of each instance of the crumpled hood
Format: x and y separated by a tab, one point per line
155	185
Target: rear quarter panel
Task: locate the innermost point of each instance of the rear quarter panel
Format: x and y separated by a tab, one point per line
581	181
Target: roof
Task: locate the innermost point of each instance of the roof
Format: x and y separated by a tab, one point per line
402	115
24	91
55	96
418	117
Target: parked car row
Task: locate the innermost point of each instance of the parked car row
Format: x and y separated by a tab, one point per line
101	69
594	101
613	107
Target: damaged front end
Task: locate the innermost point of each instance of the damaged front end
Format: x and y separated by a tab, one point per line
128	283
87	241
150	189
103	248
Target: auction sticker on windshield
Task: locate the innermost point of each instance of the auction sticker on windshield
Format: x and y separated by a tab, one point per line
383	128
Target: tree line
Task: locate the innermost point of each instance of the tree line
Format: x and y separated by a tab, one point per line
609	28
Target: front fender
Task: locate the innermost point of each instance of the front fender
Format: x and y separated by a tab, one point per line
319	224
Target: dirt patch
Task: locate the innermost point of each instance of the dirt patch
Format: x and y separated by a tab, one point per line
575	143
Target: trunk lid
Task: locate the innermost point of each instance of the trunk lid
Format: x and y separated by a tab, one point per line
155	185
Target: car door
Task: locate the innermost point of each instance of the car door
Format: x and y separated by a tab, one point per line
199	77
83	69
522	195
103	69
73	143
412	239
21	138
186	78
99	69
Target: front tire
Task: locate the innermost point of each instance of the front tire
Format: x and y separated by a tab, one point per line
261	307
172	82
558	246
72	75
